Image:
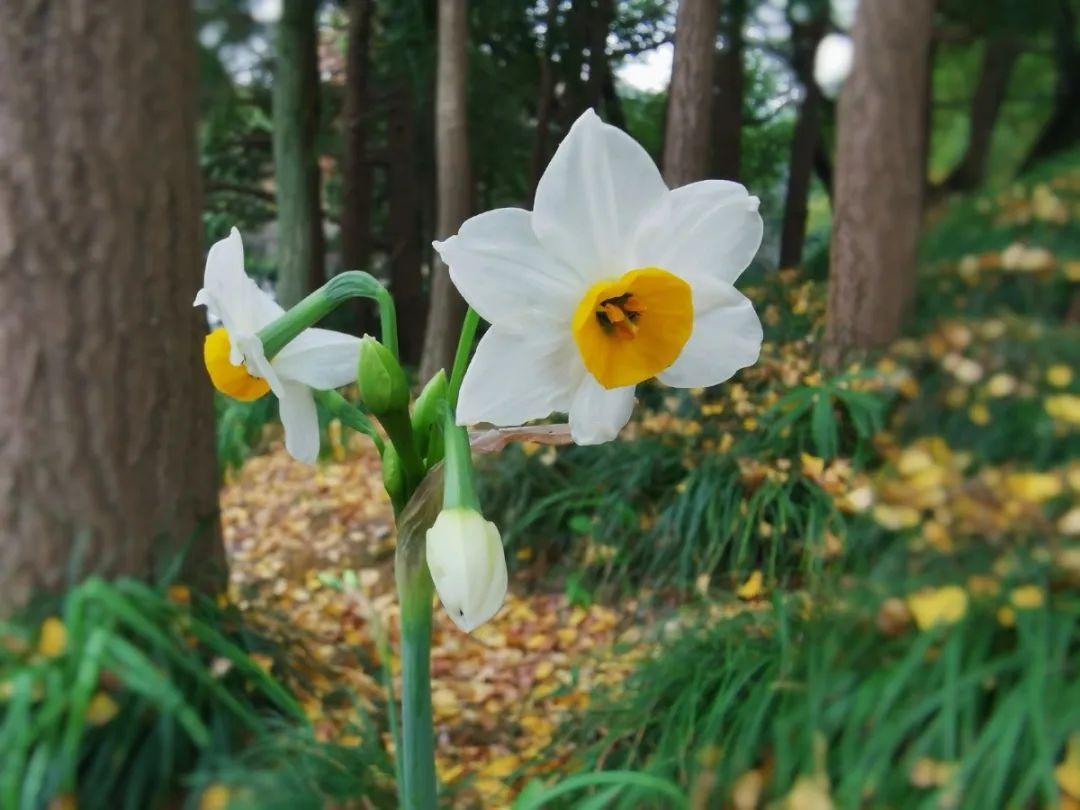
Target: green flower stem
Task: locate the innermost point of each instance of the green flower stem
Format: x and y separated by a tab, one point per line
415	591
461	356
351	416
459	488
352	284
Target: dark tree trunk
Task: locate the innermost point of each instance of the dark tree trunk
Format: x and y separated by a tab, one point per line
997	67
357	173
106	419
296	120
688	130
879	179
545	100
447	308
406	279
1062	130
804	142
729	89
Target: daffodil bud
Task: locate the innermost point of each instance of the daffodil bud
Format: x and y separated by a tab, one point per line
467	564
426	415
393	477
383	387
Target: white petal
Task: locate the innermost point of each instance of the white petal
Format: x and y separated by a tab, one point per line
468	566
597	414
321	358
229	294
250	349
592	196
726	337
709	229
301	422
514	378
501	269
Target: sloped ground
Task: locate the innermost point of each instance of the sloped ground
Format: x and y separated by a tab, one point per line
938	484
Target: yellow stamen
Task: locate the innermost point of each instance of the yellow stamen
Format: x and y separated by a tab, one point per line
227	378
631	328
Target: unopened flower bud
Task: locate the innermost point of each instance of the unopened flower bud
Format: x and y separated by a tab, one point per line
465	557
427	412
383	387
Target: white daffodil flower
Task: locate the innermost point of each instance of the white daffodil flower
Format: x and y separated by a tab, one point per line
317	358
611	279
465	557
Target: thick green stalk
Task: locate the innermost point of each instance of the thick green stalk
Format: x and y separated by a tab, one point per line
415	592
342	287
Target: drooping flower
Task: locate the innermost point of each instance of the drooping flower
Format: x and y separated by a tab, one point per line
316	359
467	564
612	279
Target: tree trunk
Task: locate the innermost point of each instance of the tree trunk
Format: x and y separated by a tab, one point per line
879	179
296	122
545	100
404	225
356	168
997	66
728	105
447	308
689	113
106	419
1062	129
804	142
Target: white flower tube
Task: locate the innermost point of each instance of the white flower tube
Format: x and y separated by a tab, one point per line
467	564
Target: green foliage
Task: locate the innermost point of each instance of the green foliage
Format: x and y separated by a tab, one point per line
130	695
240	427
815	692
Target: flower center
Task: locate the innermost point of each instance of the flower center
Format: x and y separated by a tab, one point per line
631	328
227	378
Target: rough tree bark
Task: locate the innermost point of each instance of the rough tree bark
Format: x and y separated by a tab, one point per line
804	142
689	113
356	167
296	120
998	61
729	88
106	420
447	308
879	178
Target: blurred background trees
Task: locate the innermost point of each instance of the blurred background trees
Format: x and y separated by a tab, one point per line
345	134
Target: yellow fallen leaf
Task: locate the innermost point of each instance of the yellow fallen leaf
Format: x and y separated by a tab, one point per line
808	793
1069	523
938	606
101	709
746	792
1067	773
52	639
1059	375
895	517
1064	408
753	588
215	797
1027	597
1034	487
